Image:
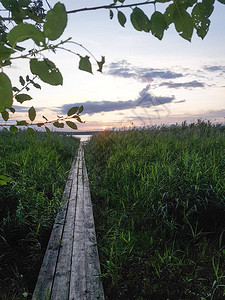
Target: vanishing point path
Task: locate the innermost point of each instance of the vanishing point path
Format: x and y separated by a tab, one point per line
70	268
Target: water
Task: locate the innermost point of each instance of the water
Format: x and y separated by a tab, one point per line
83	137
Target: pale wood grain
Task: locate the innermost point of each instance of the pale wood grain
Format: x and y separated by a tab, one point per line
71	269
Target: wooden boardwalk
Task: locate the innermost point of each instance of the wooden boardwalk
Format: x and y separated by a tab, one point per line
70	269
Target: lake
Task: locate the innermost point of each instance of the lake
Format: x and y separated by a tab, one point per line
83	137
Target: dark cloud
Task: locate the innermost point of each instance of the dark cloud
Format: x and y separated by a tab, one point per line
23	109
185	85
180	101
216	114
214	68
145	99
151	75
20	109
121	69
126	70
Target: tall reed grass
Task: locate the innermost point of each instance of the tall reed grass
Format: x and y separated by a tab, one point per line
38	168
159	205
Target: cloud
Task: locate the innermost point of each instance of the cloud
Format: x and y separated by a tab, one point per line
180	101
23	109
185	85
152	74
214	68
165	76
20	109
215	116
126	70
145	99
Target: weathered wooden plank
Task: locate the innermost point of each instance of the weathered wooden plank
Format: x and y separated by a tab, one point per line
47	271
78	280
94	286
60	289
71	268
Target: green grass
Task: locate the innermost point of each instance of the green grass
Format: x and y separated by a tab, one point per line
38	168
159	205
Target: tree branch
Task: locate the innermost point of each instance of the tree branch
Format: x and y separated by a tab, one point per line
111	6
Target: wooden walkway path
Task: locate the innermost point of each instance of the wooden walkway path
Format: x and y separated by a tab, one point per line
70	269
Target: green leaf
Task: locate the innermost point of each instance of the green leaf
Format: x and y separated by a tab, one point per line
56	21
134	20
204	28
189	3
200	20
30	132
22	81
48	131
6	94
15	89
23	3
183	23
46	70
111	14
81	108
5	115
222	1
58	125
13	129
6	4
100	64
72	110
168	15
184	4
24	32
36	85
158	24
5	52
32	113
85	64
5	178
139	20
209	6
71	125
23	97
6	63
121	18
12	109
40	124
78	119
21	123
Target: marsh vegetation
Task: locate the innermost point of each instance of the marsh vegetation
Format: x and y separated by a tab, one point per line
159	205
38	167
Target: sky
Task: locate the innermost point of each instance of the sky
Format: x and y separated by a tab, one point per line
144	81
